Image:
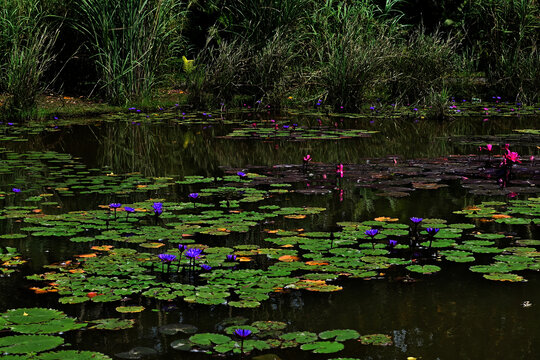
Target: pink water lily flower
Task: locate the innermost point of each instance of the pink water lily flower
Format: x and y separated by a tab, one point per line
489	147
513	156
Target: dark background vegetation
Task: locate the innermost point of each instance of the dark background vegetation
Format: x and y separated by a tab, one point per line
346	53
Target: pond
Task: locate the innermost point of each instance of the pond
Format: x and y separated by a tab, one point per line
327	236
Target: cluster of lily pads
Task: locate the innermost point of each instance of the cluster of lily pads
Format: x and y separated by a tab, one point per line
240	337
291	132
35	329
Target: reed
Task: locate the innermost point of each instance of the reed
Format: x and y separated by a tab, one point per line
132	40
26	43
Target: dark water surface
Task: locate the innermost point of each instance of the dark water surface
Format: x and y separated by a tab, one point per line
453	314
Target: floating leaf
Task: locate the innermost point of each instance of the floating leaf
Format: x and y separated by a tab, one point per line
376	339
207	339
24	344
323	347
73	355
339	335
130	309
112	324
423	269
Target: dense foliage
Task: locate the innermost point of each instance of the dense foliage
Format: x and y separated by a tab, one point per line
345	53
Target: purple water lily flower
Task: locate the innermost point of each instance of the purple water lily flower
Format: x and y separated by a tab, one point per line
432	231
231	257
16	190
241	174
416	220
129	209
158	208
193	253
372	232
167	258
242	333
392	243
114	205
206	267
194	195
182	248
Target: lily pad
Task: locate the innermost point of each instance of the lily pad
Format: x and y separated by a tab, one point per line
339	335
376	339
323	347
24	344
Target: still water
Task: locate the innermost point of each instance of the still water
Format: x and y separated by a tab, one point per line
452	314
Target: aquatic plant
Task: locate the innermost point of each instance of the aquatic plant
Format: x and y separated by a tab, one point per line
167	259
131	42
27	40
114	207
372	233
192	254
305	161
431	233
193	196
16	190
242	334
206	267
128	210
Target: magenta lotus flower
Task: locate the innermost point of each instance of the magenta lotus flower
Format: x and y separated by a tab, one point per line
307	158
489	147
339	170
513	156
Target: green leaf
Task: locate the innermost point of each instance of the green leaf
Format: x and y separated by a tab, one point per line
339	335
323	347
376	339
24	344
207	339
73	355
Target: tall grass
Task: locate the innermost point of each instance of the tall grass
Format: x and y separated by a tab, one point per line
132	40
505	34
26	43
424	64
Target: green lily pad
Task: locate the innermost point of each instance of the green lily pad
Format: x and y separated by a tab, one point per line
112	324
339	335
300	337
376	339
505	277
323	347
24	344
50	327
130	309
73	355
32	315
207	339
423	269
